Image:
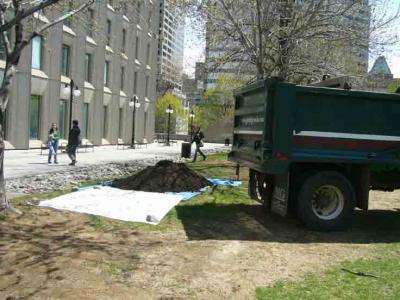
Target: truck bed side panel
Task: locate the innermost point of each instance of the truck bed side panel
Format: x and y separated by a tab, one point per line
337	124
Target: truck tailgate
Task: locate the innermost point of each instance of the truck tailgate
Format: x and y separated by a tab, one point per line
249	125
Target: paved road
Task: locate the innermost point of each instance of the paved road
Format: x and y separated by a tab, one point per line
19	163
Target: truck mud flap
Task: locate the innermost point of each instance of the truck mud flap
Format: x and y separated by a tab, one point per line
280	196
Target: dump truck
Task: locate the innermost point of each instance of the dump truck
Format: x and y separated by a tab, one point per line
316	152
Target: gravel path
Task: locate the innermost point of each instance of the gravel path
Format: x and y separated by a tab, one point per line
60	180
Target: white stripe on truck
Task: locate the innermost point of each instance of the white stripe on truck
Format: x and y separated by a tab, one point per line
354	136
248	132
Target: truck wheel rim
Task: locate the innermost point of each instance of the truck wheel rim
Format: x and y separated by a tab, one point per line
327	202
260	186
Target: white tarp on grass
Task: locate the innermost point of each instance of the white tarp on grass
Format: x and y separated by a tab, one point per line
118	204
125	205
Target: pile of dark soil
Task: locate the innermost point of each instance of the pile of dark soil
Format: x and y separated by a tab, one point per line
165	176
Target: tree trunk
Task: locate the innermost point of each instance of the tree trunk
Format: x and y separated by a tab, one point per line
286	9
283	60
4	204
260	62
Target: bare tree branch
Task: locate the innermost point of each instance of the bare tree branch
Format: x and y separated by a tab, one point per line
22	14
13	52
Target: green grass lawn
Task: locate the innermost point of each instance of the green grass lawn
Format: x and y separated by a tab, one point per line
340	284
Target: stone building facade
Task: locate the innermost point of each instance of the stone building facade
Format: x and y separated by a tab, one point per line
111	55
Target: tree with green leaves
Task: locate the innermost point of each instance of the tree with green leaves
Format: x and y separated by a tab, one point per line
393	86
218	102
163	103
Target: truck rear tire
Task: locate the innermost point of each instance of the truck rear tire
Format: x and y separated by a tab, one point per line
259	188
326	201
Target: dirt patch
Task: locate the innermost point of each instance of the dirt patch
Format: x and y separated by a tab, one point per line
206	249
165	176
49	254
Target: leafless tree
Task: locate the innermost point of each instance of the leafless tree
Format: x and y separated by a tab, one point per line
15	36
293	39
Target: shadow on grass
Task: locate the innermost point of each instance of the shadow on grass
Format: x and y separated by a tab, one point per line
249	222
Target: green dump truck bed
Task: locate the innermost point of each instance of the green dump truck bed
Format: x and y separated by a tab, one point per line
277	123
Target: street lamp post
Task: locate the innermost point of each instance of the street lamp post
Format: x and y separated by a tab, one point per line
135	104
191	124
169	112
72	90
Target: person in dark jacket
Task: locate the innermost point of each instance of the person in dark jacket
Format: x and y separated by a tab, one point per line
74	140
198	139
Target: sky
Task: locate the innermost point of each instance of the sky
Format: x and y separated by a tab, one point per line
195	44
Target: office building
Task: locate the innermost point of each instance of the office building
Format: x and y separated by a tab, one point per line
110	53
170	47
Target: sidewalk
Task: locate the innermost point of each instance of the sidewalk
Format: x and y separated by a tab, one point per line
19	163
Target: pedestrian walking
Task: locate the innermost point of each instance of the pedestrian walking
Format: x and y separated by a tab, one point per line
52	142
74	140
198	140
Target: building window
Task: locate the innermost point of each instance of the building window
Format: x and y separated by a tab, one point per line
62	119
146	90
69	7
85	119
108	32
135	76
5	124
150	17
124	8
137	48
88	67
65	60
121	122
37	53
34	118
145	124
148	54
90	22
2	49
139	8
107	73
105	119
122	78
123	39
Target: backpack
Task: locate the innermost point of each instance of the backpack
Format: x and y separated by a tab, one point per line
201	137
